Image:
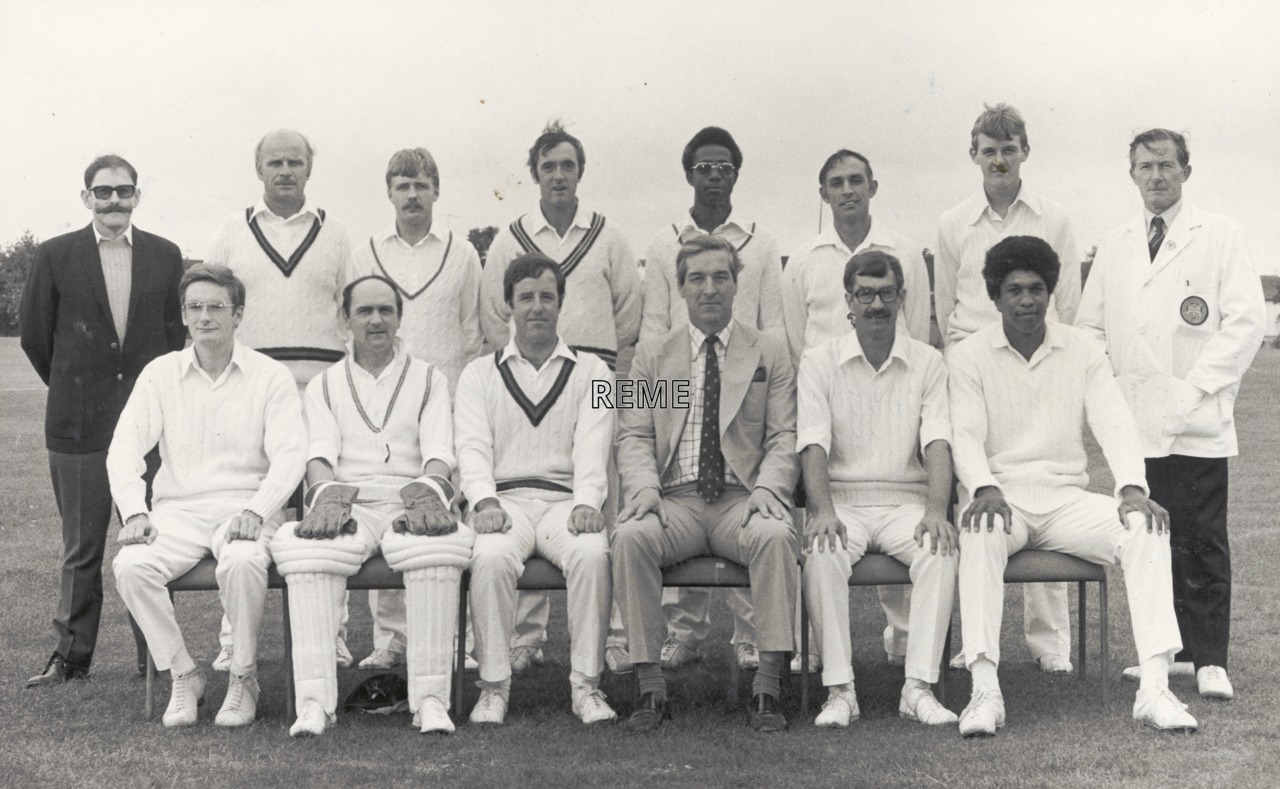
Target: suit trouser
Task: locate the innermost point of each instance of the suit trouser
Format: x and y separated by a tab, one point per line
642	547
83	496
186	533
317	571
1194	490
1090	528
889	530
540	526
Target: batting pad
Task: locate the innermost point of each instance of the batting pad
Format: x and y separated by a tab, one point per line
341	556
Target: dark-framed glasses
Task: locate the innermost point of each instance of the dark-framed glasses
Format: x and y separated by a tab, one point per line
888	294
104	192
707	168
212	307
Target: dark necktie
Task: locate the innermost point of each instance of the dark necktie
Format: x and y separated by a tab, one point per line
1156	237
710	461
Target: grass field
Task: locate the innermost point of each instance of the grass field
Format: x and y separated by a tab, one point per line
93	733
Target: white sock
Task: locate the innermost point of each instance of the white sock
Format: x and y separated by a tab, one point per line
182	664
915	684
431	613
1154	673
984	675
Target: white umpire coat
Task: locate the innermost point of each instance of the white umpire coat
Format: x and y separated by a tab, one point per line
1180	330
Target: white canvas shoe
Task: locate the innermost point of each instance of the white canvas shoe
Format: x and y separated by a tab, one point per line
747	656
432	717
676	655
342	653
984	714
223	661
524	658
381	659
185	699
919	704
1160	709
491	707
957	661
1212	682
312	721
1055	664
590	707
470	664
618	660
840	708
240	706
815	664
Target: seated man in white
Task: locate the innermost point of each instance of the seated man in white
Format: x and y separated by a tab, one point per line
378	475
232	448
532	453
1021	393
874	435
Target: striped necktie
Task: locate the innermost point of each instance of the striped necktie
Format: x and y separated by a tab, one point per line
710	460
1155	237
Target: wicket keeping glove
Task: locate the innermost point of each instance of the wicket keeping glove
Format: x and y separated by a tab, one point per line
330	513
424	512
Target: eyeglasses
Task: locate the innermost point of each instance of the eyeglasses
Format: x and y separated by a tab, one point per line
888	295
104	192
707	168
213	307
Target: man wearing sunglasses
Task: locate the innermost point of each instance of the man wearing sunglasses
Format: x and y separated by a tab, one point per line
711	161
99	304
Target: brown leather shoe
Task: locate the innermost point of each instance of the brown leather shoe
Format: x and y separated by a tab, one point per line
766	713
56	672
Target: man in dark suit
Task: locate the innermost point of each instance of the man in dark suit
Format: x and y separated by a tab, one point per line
709	471
98	305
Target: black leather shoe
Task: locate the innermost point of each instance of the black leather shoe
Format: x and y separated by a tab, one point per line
56	672
766	713
649	713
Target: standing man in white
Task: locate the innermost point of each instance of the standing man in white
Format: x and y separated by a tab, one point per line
437	276
292	257
1022	391
532	452
1180	307
712	162
378	479
600	314
1005	207
816	310
232	448
874	435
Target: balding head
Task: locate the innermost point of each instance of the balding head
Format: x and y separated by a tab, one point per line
274	141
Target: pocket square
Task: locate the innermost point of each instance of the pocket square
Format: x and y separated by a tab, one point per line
760	375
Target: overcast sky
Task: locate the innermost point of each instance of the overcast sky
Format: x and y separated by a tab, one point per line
185	95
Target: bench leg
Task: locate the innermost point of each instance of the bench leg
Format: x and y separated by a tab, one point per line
148	705
288	653
1084	621
1103	627
460	664
942	669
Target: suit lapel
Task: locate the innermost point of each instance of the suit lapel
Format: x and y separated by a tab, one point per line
1176	239
91	265
676	365
740	363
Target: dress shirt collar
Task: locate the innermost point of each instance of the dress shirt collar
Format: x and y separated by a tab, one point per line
188	362
1052	339
851	348
536	221
687	226
977	206
1169	215
260	208
562	350
127	235
697	339
398	360
393	233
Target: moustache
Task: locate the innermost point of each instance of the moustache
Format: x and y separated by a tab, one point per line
876	314
413	204
115	209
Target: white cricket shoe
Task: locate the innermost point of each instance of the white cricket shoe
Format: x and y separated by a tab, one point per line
840	708
984	714
223	661
185	699
895	660
815	664
524	658
748	657
957	661
432	717
1212	682
381	659
1178	668
240	706
491	707
590	707
618	659
342	653
469	663
1160	709
1055	664
312	720
676	655
919	704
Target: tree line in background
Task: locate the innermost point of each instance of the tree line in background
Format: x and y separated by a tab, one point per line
16	260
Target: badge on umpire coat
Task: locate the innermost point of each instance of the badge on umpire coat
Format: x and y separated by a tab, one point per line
1194	310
